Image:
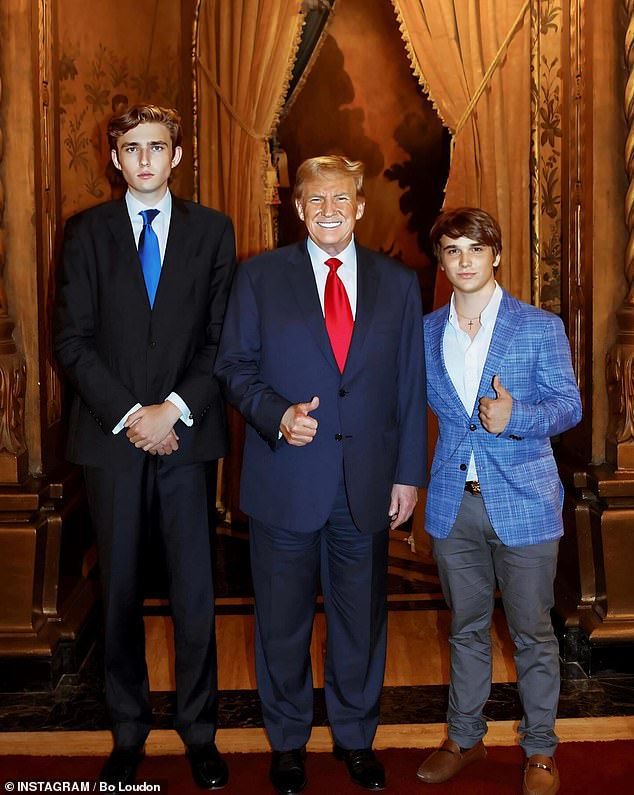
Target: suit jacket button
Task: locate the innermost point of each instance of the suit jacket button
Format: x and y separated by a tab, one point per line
343	392
152	344
338	437
473	427
463	467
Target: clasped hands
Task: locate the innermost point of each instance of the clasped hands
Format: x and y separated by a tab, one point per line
151	428
299	429
495	413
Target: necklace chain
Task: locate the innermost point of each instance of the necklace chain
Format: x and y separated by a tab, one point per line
471	319
478	317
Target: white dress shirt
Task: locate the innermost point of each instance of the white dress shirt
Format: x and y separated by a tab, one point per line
161	226
465	357
347	271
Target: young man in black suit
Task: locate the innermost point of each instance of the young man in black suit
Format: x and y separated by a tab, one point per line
140	305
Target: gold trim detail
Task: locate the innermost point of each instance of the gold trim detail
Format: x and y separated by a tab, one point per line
311	62
414	63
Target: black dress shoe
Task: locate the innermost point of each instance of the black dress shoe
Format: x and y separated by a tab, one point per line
120	767
364	768
209	769
287	771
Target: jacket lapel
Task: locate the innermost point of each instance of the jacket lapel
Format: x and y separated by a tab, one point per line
436	331
302	280
173	275
503	333
367	291
121	229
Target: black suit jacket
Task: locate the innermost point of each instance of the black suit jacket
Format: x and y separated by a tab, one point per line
117	351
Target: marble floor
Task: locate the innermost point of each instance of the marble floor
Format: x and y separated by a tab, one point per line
415	693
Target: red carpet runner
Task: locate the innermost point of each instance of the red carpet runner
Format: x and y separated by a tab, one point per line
605	768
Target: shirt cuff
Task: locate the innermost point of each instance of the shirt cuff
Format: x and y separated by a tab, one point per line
186	415
121	424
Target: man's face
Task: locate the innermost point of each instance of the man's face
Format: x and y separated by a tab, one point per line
145	158
330	208
469	265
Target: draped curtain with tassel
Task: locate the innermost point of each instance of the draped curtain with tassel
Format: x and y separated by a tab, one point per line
473	60
245	51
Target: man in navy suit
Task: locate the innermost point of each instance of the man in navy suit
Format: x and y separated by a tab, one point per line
142	292
500	380
322	353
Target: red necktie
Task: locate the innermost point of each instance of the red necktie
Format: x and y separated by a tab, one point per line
339	321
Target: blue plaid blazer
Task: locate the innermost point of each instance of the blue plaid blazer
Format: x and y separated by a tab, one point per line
517	472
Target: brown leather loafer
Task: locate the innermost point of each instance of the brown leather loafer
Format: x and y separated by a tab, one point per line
447	761
541	776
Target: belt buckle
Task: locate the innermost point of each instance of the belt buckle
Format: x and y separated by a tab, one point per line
473	487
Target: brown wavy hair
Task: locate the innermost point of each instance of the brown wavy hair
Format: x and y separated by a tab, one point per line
468	222
141	114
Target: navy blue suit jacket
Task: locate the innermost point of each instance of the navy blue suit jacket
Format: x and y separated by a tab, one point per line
275	352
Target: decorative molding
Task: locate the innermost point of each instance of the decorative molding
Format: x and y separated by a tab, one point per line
629	151
576	265
13	454
620	359
48	217
195	111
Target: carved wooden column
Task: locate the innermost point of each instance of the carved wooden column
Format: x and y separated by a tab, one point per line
620	361
607	617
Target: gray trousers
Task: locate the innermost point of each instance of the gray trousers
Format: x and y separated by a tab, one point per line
469	561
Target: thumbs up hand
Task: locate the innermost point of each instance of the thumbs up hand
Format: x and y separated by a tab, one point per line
297	427
496	413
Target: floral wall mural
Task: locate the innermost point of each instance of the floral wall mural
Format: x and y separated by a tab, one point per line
546	153
111	55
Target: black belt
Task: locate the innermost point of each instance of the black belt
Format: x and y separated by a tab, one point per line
473	487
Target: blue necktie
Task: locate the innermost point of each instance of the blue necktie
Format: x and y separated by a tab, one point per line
149	254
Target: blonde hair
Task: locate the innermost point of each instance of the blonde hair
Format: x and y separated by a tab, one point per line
328	165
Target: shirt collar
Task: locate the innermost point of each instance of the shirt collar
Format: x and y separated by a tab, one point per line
348	256
489	313
135	206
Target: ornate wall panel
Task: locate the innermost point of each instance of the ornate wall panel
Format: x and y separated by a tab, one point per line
620	360
13	452
561	184
546	151
48	214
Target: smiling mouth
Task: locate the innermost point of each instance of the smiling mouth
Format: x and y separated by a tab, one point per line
329	224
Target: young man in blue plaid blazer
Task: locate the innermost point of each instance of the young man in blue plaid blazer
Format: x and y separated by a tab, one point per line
500	380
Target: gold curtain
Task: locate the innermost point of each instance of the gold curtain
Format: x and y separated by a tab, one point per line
457	49
245	54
